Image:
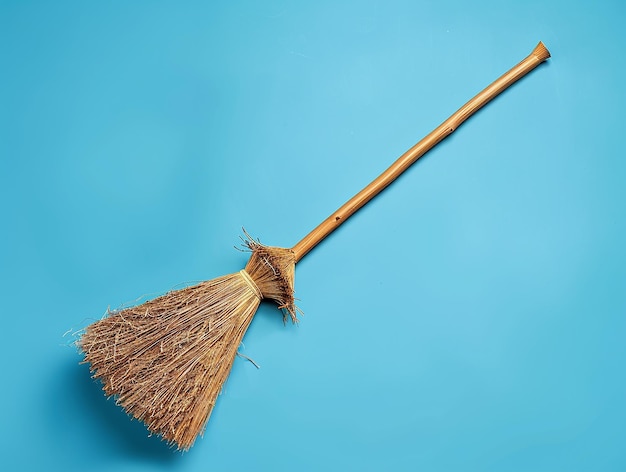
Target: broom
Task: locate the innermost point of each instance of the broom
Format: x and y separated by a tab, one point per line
165	361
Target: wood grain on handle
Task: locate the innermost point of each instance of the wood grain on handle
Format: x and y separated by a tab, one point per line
539	54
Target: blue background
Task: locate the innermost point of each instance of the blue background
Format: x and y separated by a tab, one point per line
472	317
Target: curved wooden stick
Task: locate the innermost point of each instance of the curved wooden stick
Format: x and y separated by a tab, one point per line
539	54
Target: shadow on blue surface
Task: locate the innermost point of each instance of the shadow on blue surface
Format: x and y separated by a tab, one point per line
97	426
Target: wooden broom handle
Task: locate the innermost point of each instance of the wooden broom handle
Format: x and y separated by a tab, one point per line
539	54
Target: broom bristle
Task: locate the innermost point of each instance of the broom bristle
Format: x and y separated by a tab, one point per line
273	271
165	361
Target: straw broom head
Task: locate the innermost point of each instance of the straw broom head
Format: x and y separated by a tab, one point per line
165	361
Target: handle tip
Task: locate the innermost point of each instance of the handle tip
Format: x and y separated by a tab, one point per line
541	52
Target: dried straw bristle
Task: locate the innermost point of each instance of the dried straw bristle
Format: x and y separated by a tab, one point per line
165	361
273	271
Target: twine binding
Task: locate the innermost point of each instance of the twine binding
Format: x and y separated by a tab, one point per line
246	277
